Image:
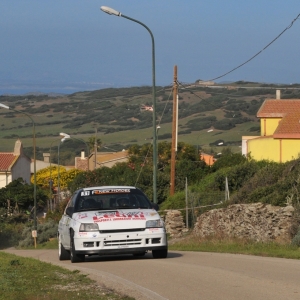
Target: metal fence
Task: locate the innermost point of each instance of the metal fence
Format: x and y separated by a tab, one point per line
199	202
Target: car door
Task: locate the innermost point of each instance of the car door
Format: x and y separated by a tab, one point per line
65	224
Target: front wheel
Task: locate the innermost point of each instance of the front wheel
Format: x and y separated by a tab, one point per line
63	254
160	253
75	257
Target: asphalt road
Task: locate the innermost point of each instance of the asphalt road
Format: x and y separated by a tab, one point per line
188	275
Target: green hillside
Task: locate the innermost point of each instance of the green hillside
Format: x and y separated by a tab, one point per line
117	116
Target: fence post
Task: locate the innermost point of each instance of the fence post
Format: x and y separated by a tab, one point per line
226	189
186	205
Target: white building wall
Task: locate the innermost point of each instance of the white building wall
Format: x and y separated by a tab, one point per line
245	140
21	169
5	179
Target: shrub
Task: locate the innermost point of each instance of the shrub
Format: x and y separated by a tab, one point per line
266	185
174	202
55	216
10	235
296	239
44	233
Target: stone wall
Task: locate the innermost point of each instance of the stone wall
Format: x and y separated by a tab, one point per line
256	221
175	226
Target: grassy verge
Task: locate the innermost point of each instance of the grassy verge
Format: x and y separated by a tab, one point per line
28	279
235	246
52	244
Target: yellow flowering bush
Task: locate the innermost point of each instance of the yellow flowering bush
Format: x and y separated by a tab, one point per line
43	176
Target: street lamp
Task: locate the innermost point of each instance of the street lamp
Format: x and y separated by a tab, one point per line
65	136
157	128
51	181
81	140
111	11
34	161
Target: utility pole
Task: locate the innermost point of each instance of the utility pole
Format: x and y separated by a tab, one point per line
174	132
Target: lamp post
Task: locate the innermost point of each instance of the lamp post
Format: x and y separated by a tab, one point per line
111	11
34	160
65	136
51	181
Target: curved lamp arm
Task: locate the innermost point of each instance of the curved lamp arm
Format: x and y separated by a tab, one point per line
114	12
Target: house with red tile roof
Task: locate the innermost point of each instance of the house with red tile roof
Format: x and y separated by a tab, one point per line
279	138
14	165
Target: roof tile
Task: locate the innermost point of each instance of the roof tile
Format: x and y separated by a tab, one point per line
272	108
6	160
289	112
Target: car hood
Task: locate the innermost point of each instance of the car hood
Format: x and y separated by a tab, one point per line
115	219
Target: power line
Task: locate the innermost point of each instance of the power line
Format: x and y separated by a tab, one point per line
218	78
213	79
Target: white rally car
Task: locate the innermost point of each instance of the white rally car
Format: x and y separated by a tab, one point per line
108	220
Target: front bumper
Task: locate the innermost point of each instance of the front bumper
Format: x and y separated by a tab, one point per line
124	243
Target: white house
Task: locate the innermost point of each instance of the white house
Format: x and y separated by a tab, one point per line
14	165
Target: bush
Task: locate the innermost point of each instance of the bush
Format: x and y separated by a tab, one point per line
174	202
266	184
296	239
10	235
44	233
55	216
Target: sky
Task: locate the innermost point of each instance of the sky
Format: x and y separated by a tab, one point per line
71	45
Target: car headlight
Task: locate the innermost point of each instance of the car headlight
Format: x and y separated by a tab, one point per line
88	227
154	223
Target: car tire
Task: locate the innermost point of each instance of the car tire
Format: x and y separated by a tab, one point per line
63	254
160	253
75	257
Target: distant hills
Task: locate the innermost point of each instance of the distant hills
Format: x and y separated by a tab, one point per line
116	116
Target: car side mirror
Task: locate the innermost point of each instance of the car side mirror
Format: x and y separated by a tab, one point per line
70	211
155	206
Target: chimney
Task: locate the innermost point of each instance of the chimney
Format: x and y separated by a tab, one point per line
277	94
18	148
46	157
82	154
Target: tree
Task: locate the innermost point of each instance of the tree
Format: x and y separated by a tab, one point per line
17	196
228	159
91	143
139	170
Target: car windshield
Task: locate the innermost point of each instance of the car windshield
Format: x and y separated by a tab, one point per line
111	199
